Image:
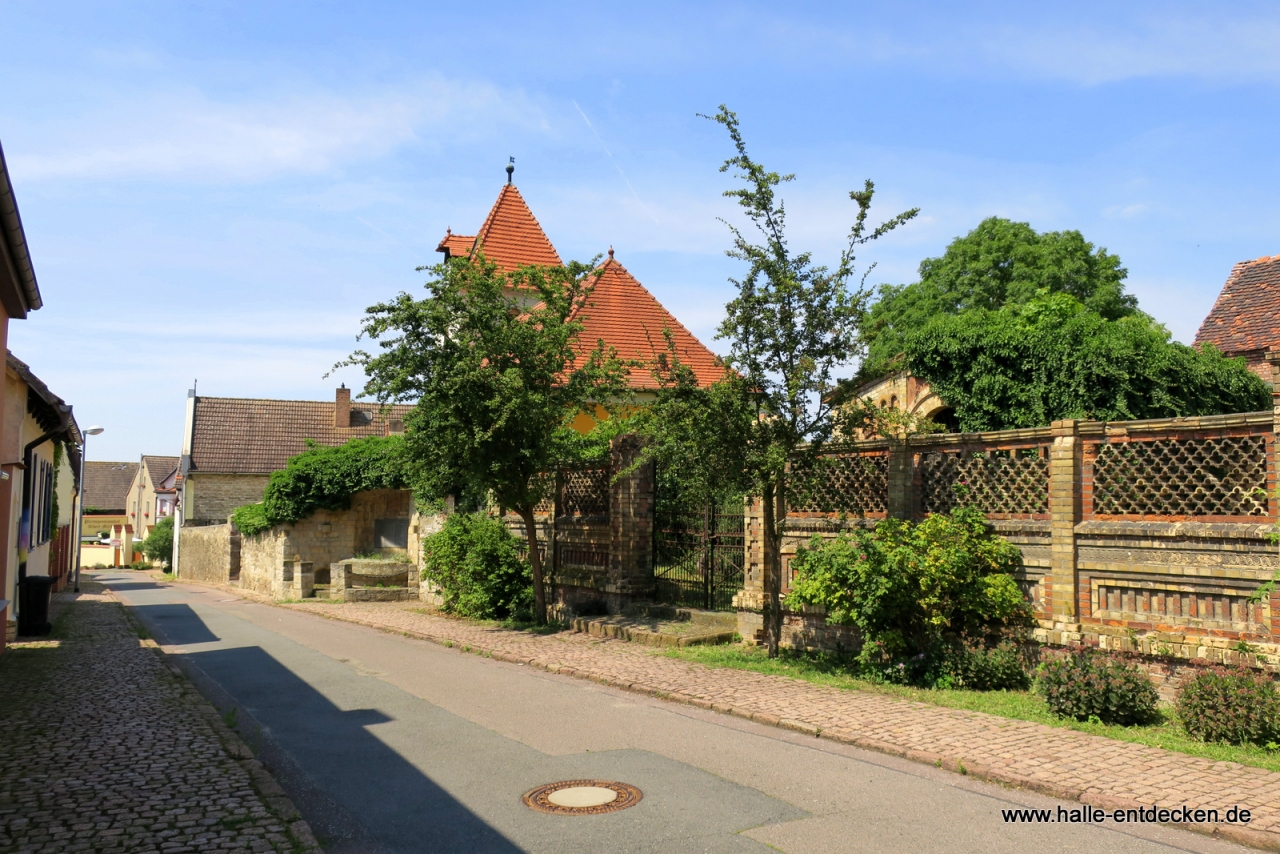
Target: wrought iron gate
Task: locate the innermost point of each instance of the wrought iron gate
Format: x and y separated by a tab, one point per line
698	557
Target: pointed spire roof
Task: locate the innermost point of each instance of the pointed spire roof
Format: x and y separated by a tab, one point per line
623	313
511	235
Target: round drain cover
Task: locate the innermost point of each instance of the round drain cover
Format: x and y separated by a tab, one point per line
582	797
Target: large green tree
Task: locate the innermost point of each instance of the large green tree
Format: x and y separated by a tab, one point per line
792	325
1053	358
1000	264
492	360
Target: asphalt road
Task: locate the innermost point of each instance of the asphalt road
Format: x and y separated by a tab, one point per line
390	744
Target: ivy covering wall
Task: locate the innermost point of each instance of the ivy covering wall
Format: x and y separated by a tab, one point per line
323	478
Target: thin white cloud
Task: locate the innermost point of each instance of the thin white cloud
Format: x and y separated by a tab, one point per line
186	135
1215	48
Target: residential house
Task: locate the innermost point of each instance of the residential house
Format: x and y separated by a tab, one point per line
28	407
107	488
233	444
42	437
153	494
1245	319
621	312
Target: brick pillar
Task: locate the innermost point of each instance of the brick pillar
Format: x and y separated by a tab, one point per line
630	521
1065	513
902	474
1273	360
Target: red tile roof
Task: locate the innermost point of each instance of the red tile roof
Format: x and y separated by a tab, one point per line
623	313
254	436
1246	317
456	245
511	236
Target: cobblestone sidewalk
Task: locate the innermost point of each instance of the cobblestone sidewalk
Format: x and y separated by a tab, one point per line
104	749
1059	762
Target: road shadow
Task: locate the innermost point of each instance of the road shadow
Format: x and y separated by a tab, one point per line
175	623
346	766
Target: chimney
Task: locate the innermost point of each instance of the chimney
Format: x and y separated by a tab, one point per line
342	407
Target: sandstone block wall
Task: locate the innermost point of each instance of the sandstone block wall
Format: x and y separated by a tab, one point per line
206	554
211	498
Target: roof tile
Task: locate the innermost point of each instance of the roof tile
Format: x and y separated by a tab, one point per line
256	436
511	236
106	485
1246	316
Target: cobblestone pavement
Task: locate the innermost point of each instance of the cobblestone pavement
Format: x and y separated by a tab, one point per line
1058	762
103	748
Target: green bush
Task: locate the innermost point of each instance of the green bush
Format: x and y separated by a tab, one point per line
1087	686
324	478
250	519
916	592
159	543
1232	706
1001	668
476	565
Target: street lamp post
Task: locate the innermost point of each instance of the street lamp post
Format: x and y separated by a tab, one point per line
84	452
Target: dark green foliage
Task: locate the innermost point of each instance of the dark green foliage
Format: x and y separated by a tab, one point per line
475	563
159	543
1086	685
1000	264
496	380
999	668
1232	706
916	592
1051	359
323	478
791	325
58	451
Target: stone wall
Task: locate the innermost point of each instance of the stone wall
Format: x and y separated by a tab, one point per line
206	554
211	498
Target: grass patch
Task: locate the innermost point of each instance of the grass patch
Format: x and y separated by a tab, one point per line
828	670
509	624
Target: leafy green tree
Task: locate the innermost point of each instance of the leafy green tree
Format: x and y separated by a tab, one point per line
1052	358
159	543
1000	264
792	324
492	360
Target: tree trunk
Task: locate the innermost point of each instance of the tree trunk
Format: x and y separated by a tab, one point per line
772	570
535	561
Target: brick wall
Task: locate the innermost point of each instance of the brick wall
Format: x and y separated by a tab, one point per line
1146	537
211	498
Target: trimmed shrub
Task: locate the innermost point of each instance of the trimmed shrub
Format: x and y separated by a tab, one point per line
1232	706
476	565
1001	668
1086	685
916	592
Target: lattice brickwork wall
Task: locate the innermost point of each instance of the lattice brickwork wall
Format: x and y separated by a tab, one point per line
857	484
585	492
1003	483
1212	477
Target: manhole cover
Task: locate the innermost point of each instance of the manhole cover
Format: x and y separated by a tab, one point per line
582	797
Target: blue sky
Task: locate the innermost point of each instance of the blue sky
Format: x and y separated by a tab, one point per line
216	190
